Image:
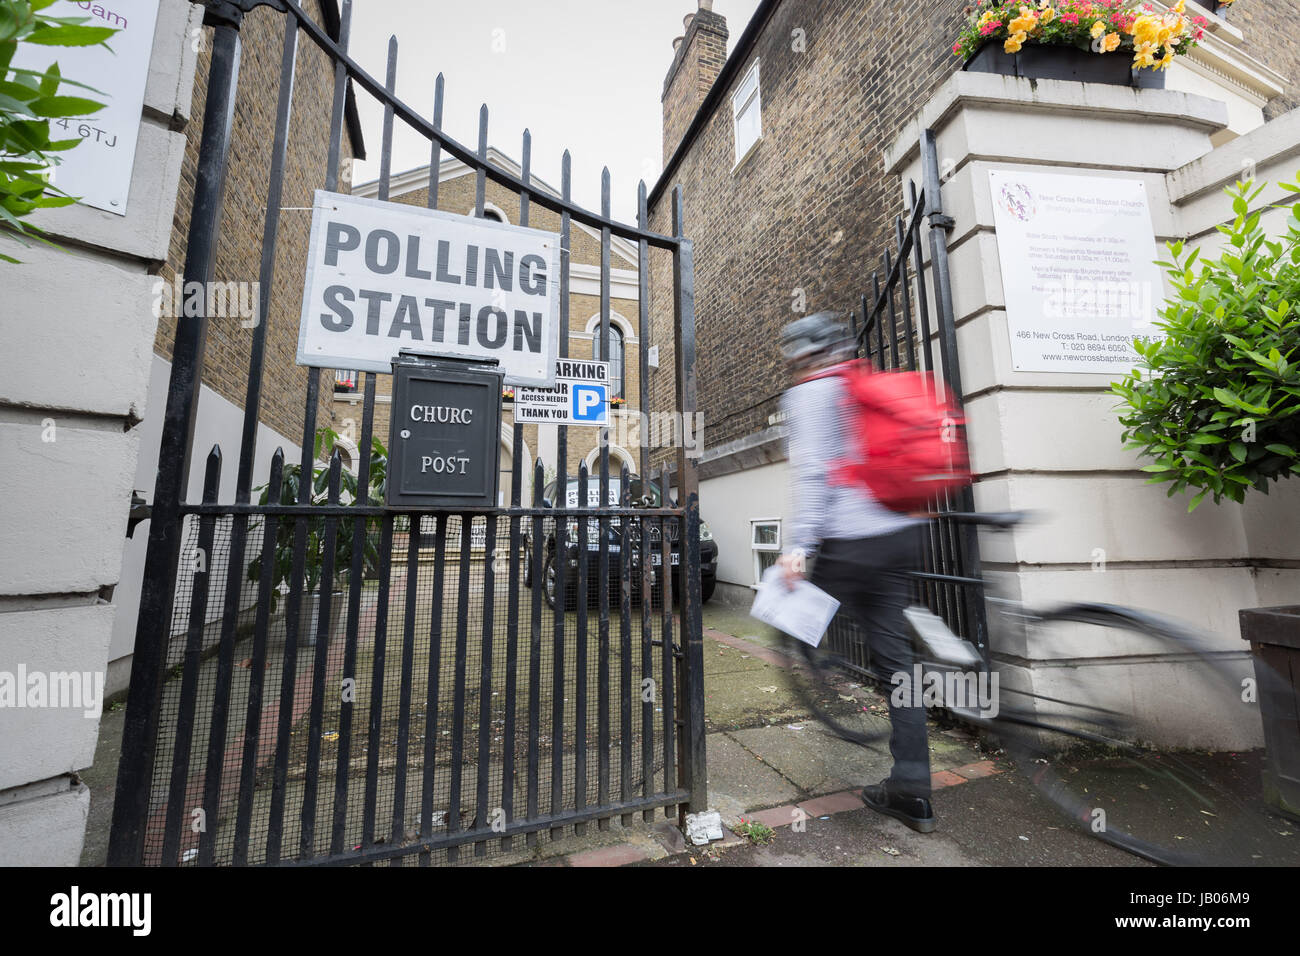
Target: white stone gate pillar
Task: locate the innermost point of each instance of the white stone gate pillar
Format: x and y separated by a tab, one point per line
1050	442
78	330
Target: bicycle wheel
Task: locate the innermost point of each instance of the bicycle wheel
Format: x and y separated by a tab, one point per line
833	682
1077	728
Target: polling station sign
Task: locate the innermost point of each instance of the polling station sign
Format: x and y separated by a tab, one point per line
385	277
580	396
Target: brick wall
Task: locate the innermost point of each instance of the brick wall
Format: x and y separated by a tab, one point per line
1272	37
239	247
696	63
809	208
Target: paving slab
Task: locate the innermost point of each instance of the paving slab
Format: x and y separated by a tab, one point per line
775	816
750	693
739	781
814	758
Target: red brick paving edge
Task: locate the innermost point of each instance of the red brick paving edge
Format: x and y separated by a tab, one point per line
754	650
842	802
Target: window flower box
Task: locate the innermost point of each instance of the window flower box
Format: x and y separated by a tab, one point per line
1091	41
1038	62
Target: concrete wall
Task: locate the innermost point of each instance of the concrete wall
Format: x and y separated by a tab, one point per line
1050	442
78	331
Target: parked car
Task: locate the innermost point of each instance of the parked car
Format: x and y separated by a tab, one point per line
636	494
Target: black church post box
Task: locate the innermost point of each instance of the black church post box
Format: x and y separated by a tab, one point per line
444	440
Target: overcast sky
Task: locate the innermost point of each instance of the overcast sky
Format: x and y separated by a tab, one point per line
582	75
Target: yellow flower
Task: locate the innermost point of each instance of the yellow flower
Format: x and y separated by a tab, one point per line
1047	15
1014	42
1023	23
1098	29
1146	29
1166	59
1144	54
1180	6
1111	43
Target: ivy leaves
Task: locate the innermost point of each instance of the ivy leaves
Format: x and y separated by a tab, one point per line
1216	403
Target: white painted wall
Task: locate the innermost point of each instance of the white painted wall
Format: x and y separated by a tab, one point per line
78	332
729	503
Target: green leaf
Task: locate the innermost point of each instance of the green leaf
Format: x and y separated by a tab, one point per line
69	35
59	106
50	82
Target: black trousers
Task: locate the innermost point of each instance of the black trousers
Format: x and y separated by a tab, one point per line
868	576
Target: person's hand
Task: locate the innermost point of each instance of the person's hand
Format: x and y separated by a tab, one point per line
793	567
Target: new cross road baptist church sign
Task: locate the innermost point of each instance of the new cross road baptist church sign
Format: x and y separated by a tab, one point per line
384	278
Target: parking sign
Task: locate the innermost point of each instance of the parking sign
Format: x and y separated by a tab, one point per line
580	396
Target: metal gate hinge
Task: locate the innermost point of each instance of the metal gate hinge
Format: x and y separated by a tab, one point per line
231	12
140	511
939	221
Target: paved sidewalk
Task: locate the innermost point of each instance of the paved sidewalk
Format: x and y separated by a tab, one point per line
769	762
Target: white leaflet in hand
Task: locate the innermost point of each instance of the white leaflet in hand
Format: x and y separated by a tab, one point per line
803	612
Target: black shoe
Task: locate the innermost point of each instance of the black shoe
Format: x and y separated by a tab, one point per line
915	812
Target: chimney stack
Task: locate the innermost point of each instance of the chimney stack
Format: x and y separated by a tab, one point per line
698	56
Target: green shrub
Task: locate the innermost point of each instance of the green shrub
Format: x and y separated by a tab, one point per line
1216	403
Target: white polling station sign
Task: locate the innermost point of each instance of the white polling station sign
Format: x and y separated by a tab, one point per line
580	396
384	277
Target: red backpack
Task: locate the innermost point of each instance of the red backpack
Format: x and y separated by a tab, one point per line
910	445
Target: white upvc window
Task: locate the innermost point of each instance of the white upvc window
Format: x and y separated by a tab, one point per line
747	114
765	542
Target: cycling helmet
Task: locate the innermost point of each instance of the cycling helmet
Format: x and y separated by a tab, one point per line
816	338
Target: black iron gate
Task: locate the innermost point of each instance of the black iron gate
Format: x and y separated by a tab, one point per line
897	327
435	701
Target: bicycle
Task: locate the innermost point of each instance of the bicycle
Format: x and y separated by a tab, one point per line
1068	735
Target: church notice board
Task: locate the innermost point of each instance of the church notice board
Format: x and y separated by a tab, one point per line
1078	270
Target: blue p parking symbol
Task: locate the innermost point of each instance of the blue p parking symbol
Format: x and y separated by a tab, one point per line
588	402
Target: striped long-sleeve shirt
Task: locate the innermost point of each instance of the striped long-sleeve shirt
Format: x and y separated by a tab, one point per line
819	432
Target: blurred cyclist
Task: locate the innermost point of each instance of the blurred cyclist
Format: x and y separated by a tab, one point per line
863	550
